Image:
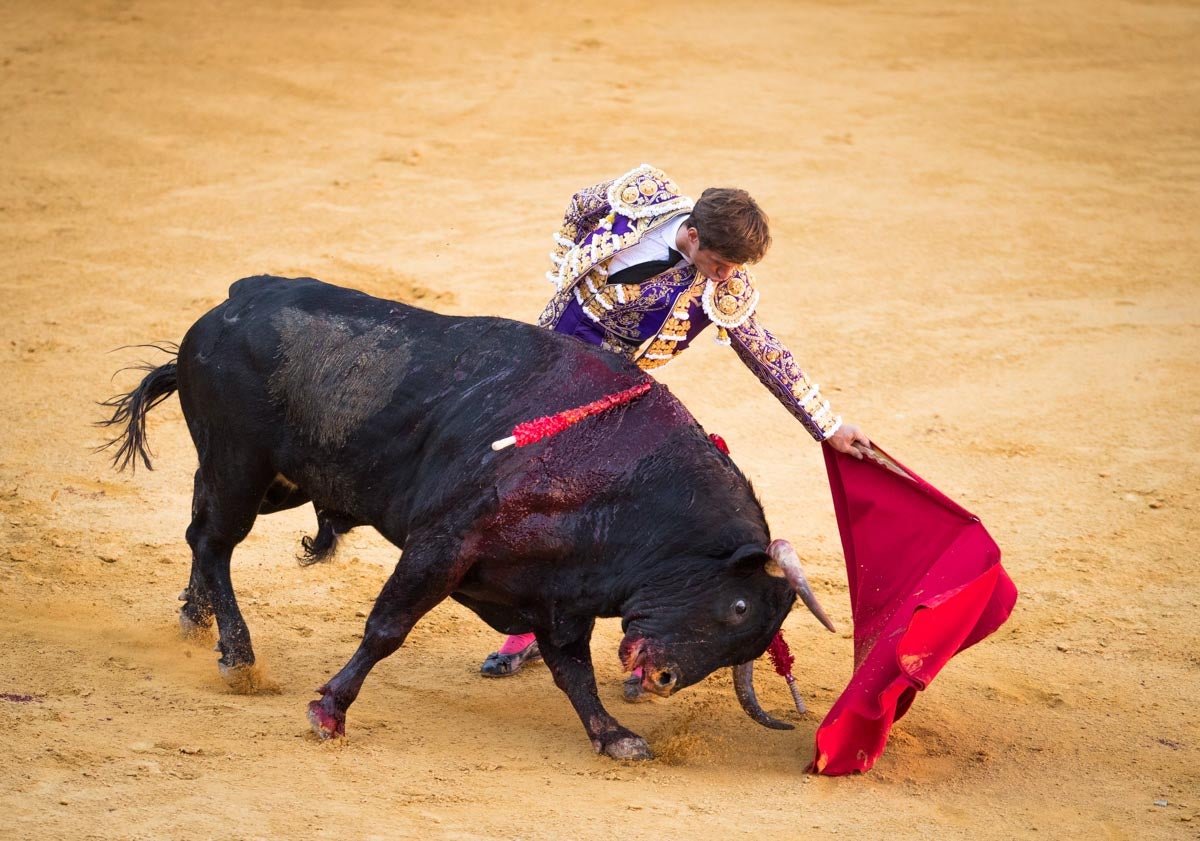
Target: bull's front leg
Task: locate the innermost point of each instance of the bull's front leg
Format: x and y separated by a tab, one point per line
571	666
426	574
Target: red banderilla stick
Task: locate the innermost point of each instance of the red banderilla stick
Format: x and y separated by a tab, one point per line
528	432
782	659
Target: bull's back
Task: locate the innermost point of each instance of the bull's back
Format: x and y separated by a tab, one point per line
369	403
311	342
341	369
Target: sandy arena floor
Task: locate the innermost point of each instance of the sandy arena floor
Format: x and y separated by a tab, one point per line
985	219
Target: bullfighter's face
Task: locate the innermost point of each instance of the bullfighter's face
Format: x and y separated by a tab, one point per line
721	612
708	262
713	265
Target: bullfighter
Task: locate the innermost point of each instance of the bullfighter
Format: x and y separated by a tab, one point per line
641	270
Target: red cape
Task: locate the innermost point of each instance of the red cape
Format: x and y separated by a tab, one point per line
925	583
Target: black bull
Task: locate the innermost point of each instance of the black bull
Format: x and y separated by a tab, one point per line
382	414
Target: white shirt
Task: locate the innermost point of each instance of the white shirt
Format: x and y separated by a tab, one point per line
652	247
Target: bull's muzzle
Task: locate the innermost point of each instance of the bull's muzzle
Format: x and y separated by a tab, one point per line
661	681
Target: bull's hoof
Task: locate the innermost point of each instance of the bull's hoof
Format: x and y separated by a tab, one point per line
248	679
629	747
324	724
194	629
233	674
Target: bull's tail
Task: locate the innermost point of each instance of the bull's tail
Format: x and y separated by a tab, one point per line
330	528
130	410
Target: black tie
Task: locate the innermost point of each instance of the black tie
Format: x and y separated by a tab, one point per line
645	271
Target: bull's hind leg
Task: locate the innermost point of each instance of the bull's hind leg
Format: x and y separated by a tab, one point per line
428	572
196	615
571	666
226	503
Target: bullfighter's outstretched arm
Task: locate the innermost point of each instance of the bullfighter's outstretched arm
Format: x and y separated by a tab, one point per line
778	370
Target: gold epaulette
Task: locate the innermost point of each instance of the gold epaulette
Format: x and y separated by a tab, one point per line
646	191
728	303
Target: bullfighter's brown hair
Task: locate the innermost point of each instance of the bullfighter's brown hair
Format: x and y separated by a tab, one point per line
731	224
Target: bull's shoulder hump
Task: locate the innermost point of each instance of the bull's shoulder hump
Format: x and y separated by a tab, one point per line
267	294
255	283
257	306
290	288
265	284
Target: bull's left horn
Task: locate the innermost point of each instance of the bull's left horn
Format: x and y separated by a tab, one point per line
785	563
743	687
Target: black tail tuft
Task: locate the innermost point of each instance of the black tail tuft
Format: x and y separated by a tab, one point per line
130	410
321	547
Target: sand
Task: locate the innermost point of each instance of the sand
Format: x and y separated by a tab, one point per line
986	251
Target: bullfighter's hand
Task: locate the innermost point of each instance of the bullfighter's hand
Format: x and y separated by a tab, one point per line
846	437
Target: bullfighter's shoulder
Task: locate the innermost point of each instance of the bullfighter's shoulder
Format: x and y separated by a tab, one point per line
646	191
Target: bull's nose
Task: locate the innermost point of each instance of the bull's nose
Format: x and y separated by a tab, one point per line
665	680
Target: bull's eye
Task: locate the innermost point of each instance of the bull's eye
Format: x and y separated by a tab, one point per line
736	612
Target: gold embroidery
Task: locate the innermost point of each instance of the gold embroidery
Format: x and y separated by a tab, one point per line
646	192
777	369
670	339
730	302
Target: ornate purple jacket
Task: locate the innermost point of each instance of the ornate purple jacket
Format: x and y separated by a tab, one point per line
654	321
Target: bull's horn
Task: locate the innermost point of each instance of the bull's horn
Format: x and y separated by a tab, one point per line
743	686
785	563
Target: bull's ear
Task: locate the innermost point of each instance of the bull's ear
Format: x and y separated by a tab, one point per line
750	556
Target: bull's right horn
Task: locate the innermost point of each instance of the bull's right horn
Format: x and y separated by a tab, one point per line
785	563
743	687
